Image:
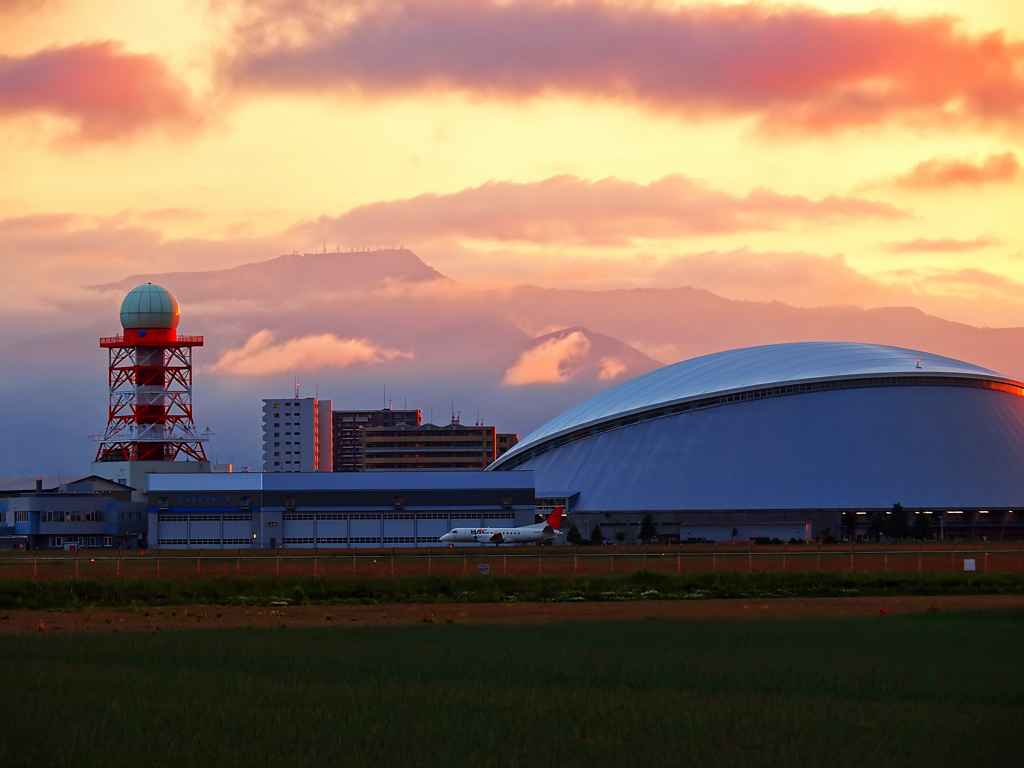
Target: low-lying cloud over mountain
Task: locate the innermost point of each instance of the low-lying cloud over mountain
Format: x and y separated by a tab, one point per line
577	353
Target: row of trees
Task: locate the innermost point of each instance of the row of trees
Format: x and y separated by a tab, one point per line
648	528
897	525
575	537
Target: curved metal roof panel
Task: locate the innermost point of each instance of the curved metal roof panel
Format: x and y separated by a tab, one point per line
748	368
938	448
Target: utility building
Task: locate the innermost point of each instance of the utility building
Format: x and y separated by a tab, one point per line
69	513
297	435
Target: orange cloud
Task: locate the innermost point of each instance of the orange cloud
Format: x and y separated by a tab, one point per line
555	361
16	6
105	93
945	172
260	355
796	68
567	209
942	245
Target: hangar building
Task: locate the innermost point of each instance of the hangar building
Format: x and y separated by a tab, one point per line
789	440
330	509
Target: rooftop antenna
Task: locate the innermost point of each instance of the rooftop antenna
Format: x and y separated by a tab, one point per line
296	387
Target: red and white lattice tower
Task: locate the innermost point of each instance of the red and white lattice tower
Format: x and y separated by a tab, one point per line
150	379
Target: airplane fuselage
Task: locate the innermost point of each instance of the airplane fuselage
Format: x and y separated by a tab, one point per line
526	535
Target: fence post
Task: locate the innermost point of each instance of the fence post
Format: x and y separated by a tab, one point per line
952	556
238	562
277	563
158	562
886	556
504	557
986	562
540	557
465	555
429	551
645	557
750	558
392	562
575	556
919	557
714	558
35	570
78	551
316	550
853	544
817	555
679	559
611	561
119	561
784	556
353	561
199	556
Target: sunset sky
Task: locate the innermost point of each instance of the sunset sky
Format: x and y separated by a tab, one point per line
830	153
820	153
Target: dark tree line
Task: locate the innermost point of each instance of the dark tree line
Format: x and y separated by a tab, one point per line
573	536
897	525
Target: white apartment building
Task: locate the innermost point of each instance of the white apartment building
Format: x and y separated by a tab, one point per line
297	435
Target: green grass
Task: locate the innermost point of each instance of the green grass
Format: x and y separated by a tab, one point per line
639	585
931	689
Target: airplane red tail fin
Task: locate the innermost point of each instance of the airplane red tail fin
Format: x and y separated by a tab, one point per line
555	518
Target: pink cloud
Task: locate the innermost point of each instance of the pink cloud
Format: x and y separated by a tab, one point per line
944	172
554	361
261	355
798	68
942	245
568	209
106	93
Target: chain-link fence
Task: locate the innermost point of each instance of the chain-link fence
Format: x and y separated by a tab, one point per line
511	561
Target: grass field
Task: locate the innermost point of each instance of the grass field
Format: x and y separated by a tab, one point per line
639	585
928	689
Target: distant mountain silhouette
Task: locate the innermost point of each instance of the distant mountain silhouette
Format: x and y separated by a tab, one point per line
679	323
518	356
311	273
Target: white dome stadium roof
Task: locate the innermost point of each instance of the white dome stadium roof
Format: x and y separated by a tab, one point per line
751	368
